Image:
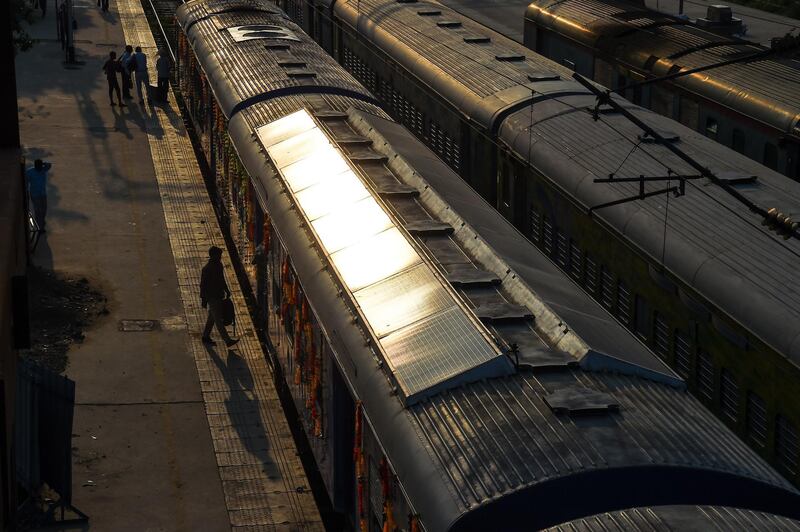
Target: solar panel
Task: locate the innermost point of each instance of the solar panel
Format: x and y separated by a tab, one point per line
403	299
428	339
436	349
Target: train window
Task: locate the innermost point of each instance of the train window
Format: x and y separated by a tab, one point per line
547	236
689	112
729	395
683	355
623	303
786	444
562	249
505	185
606	288
591	276
661	101
375	490
661	336
575	260
712	128
756	419
738	140
770	156
642	317
705	376
535	225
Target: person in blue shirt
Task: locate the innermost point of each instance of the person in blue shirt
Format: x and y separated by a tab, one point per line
37	189
139	59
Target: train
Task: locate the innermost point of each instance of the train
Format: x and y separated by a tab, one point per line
447	374
751	107
698	277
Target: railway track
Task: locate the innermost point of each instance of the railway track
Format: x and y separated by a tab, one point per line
161	18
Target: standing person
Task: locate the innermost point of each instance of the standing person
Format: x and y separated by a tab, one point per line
163	68
37	189
213	290
111	67
140	69
125	63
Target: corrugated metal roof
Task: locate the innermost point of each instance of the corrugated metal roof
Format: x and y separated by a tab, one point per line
239	71
499	436
767	90
695	518
713	242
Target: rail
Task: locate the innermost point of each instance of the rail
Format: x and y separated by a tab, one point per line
163	31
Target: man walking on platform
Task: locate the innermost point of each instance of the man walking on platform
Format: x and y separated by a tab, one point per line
37	189
125	61
111	67
163	68
140	70
213	290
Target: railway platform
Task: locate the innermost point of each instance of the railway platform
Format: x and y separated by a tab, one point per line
169	434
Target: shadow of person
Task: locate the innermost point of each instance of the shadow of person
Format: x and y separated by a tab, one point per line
121	122
243	410
42	255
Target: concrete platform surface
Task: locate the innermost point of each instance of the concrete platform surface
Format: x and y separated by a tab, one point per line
153	449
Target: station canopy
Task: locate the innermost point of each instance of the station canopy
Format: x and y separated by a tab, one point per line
428	339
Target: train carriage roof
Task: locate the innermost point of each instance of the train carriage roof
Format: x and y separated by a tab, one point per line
486	449
684	518
253	52
767	91
713	243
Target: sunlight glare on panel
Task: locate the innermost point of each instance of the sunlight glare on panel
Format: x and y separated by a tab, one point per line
287	127
298	147
375	258
315	168
332	193
351	223
402	299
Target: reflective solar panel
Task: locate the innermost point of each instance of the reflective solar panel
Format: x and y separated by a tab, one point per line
436	349
427	338
403	299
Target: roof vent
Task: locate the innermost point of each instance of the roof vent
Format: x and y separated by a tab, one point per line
449	24
301	73
292	63
543	76
734	178
276	47
493	312
406	1
468	275
668	136
429	227
580	400
477	39
261	31
429	12
510	57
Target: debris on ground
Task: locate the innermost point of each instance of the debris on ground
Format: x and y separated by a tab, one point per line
62	307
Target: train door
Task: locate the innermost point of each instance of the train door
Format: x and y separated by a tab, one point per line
343	428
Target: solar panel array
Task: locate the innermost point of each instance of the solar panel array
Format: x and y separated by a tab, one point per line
428	339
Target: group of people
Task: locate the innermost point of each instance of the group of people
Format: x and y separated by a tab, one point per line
132	65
